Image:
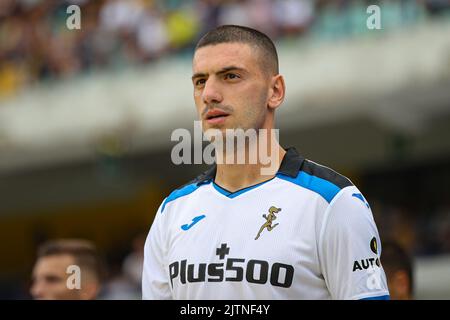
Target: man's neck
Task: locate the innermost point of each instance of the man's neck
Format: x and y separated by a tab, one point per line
233	177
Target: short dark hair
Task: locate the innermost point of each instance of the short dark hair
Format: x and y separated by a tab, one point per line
395	258
241	34
84	253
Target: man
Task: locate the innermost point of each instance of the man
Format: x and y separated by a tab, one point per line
67	270
399	271
215	238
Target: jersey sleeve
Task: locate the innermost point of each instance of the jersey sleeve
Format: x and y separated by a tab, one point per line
350	250
155	285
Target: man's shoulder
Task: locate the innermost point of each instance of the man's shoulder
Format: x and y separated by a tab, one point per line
191	186
312	176
333	185
203	178
323	172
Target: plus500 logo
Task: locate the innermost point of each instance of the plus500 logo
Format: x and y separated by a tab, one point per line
255	271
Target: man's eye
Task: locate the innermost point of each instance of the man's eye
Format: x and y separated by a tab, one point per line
52	279
200	82
231	76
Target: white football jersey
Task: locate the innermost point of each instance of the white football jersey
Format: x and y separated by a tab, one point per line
307	233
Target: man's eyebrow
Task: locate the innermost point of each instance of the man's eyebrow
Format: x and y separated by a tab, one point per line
230	68
198	75
221	71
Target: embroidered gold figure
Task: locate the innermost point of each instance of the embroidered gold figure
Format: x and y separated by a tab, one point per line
269	219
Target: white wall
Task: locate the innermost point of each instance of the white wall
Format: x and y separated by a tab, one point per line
432	276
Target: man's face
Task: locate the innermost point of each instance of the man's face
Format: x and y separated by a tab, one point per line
50	277
230	88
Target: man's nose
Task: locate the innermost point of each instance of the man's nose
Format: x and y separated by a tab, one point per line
211	92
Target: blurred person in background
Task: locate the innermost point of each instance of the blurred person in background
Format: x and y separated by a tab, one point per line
293	17
125	282
133	262
50	272
399	271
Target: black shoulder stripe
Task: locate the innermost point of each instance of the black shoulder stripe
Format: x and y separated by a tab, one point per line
207	175
325	173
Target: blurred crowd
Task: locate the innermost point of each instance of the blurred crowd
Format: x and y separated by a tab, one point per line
36	45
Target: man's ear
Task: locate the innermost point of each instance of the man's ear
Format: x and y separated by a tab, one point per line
90	290
402	284
277	91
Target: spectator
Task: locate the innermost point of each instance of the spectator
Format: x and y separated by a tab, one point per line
152	37
293	16
133	262
399	271
126	281
51	270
